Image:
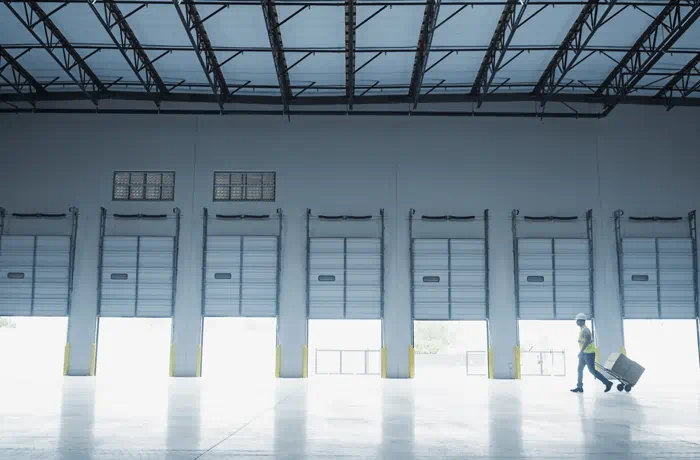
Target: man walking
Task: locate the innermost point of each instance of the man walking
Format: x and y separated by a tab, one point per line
587	356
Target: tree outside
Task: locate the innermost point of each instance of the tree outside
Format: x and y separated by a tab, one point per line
7	323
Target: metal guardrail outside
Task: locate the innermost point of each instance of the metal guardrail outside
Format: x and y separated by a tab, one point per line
546	361
474	357
344	357
471	362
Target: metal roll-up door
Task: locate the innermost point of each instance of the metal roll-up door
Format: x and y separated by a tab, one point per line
363	278
222	277
658	278
155	276
259	281
34	275
51	276
16	270
430	279
572	278
535	278
241	276
554	278
468	279
449	279
640	281
118	289
137	276
326	278
676	281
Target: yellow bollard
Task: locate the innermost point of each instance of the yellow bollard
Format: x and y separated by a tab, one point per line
278	361
171	372
66	359
93	359
198	371
384	361
305	363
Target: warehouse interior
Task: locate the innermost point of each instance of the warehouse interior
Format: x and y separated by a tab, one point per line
312	229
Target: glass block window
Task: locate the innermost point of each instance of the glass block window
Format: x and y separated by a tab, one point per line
244	186
143	186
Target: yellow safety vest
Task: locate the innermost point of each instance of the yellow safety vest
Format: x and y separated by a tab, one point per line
581	340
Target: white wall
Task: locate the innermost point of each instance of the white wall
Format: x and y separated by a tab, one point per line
644	161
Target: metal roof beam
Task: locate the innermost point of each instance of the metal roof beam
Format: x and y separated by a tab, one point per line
314	113
392	3
425	39
435	98
34	16
395	87
566	58
21	78
139	62
350	26
680	84
508	24
656	40
192	21
692	51
275	36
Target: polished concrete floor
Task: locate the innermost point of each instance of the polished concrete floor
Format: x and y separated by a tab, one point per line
345	418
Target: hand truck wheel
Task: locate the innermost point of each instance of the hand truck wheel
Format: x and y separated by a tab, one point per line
620	386
628	388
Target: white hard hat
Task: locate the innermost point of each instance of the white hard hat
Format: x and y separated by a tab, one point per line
581	316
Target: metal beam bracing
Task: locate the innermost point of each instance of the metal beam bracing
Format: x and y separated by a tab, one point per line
66	89
69	58
192	21
425	39
508	24
275	36
341	100
136	57
567	57
341	50
656	40
680	85
392	3
315	113
350	25
21	78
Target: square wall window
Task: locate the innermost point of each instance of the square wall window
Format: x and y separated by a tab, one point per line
244	186
143	186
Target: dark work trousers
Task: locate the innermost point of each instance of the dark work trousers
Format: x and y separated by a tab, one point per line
588	359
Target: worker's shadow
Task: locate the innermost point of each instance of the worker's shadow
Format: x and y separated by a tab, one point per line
606	422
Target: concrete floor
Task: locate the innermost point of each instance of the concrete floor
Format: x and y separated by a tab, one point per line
345	418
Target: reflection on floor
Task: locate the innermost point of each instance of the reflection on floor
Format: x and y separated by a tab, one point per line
345	418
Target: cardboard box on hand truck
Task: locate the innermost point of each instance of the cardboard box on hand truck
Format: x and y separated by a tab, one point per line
621	365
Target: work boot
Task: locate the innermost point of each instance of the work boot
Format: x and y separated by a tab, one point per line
577	390
608	386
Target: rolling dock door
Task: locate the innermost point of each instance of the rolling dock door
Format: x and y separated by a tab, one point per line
241	273
553	276
449	277
345	275
137	273
658	276
36	269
